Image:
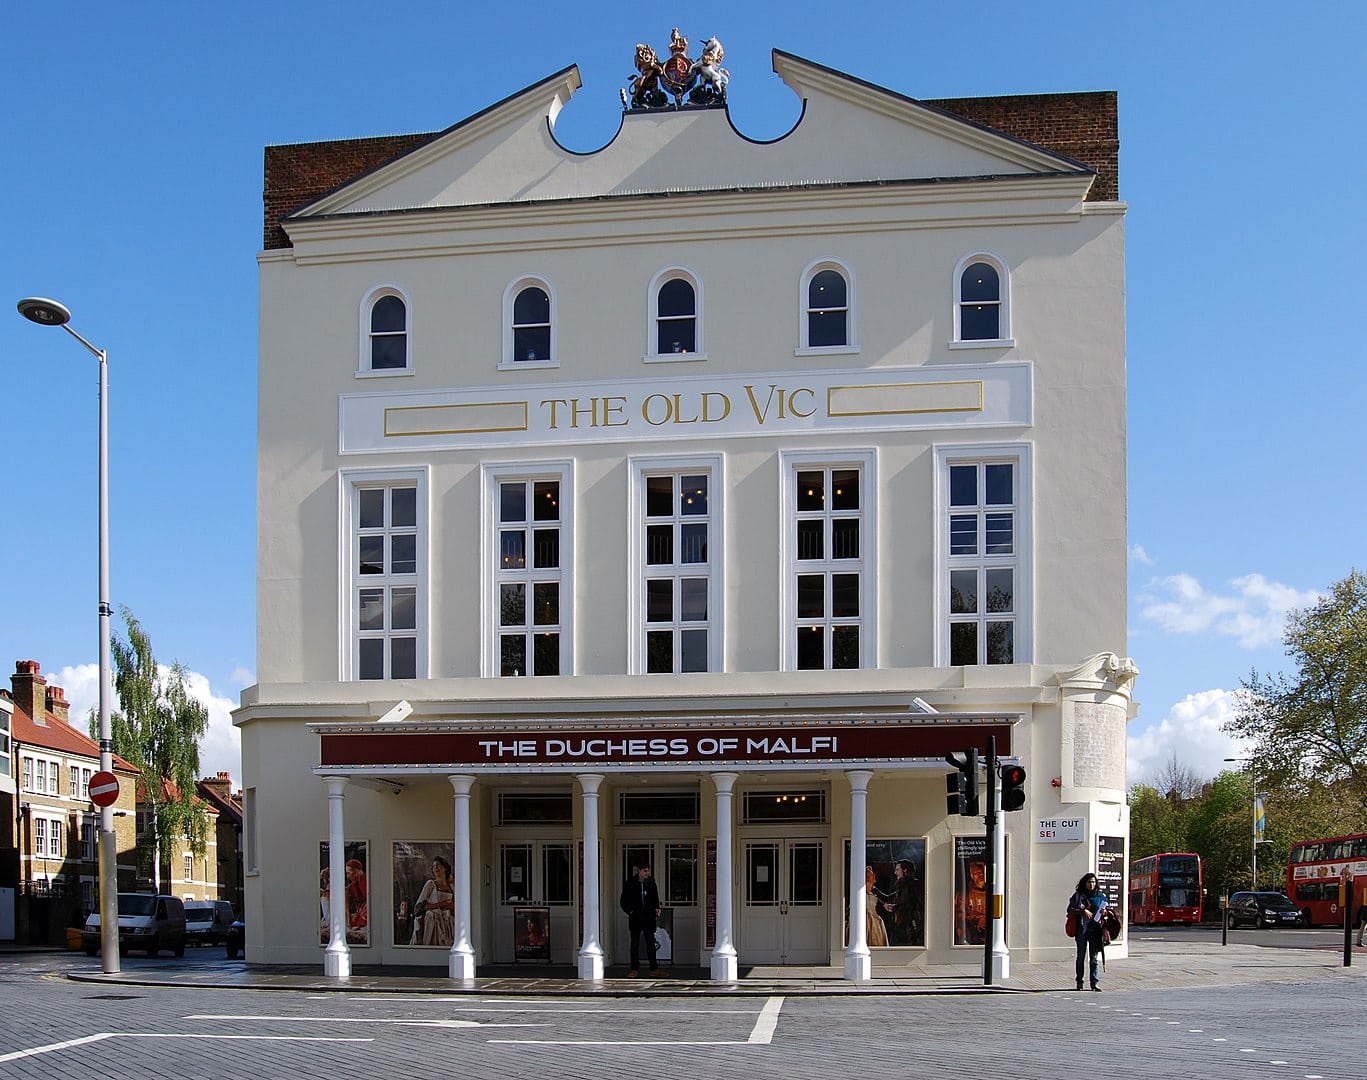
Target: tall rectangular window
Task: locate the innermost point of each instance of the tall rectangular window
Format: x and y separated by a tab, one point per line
189	868
26	767
529	578
674	538
385	515
827	521
75	781
87	841
40	837
982	590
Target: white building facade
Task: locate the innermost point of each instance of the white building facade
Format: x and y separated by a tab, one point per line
616	507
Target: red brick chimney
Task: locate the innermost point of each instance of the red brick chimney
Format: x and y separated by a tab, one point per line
30	689
57	704
221	785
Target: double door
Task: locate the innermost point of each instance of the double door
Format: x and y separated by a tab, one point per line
783	914
536	876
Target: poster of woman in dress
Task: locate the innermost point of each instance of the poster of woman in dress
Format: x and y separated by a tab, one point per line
354	891
424	893
970	890
532	933
894	892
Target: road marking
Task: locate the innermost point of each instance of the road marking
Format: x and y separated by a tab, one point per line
541	1006
437	1023
102	1035
762	1034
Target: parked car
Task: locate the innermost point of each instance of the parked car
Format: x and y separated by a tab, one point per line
1262	909
146	921
236	940
207	921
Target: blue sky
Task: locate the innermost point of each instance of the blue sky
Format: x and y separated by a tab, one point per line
131	181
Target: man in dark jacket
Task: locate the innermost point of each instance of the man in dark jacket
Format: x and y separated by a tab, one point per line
641	902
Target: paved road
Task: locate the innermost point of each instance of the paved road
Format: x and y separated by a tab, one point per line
1307	1024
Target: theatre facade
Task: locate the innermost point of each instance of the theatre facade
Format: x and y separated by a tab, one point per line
684	503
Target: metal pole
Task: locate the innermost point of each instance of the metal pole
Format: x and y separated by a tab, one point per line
108	870
990	819
1253	770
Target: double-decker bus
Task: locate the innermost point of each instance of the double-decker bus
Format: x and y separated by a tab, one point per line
1166	888
1313	873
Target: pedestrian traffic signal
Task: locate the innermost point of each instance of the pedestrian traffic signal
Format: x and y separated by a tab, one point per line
1013	787
962	786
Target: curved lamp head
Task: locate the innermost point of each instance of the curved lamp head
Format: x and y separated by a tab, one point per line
43	311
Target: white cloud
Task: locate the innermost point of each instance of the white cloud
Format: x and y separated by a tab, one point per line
1139	555
1191	732
221	749
1253	613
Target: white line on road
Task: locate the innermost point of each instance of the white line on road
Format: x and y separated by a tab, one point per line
439	1022
762	1034
34	1051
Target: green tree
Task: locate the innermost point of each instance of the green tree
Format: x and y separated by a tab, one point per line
1311	726
157	729
1221	832
1157	823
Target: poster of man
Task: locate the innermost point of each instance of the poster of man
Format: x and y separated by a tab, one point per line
424	893
353	891
970	890
895	899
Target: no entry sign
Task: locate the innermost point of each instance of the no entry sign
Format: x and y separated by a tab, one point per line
104	788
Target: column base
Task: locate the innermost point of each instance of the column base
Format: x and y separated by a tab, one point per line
591	967
337	965
461	965
1001	966
858	967
724	968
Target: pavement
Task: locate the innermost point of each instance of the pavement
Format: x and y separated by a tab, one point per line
1151	964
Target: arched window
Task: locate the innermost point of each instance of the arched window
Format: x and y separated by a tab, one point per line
529	323
388	333
676	317
827	307
532	325
980	300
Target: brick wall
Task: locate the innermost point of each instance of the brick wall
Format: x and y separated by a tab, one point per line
1082	126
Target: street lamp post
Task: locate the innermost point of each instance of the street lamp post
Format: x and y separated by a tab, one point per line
50	313
1252	763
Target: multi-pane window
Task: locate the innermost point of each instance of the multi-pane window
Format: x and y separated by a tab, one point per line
189	868
385	581
981	300
26	767
676	317
827	310
677	571
87	841
531	325
40	825
828	549
85	783
75	781
388	337
529	576
983	562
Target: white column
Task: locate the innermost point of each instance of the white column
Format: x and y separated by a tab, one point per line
591	950
462	958
337	958
724	951
1001	956
858	960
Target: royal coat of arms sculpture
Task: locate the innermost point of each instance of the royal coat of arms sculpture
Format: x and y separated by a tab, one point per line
701	82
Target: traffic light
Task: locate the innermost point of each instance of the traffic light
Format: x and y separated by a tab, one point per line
1013	787
962	786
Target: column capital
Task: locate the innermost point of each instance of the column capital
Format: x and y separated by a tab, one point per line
725	781
590	782
859	779
461	784
336	785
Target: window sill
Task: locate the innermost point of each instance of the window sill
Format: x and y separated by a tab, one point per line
383	373
518	365
826	350
986	343
673	357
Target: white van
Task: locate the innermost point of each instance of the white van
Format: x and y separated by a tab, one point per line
146	922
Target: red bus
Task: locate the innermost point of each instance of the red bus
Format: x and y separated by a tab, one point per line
1166	888
1313	873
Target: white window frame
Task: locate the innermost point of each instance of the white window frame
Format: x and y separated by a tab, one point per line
638	469
805	348
668	274
561	471
349	482
189	867
790	462
1004	340
1021	454
26	772
368	302
509	362
87	840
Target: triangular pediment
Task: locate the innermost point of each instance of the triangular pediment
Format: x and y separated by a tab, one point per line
849	132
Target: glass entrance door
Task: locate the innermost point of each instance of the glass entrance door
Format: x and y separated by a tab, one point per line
536	874
783	902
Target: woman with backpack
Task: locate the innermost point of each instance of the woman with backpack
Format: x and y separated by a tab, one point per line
1085	909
